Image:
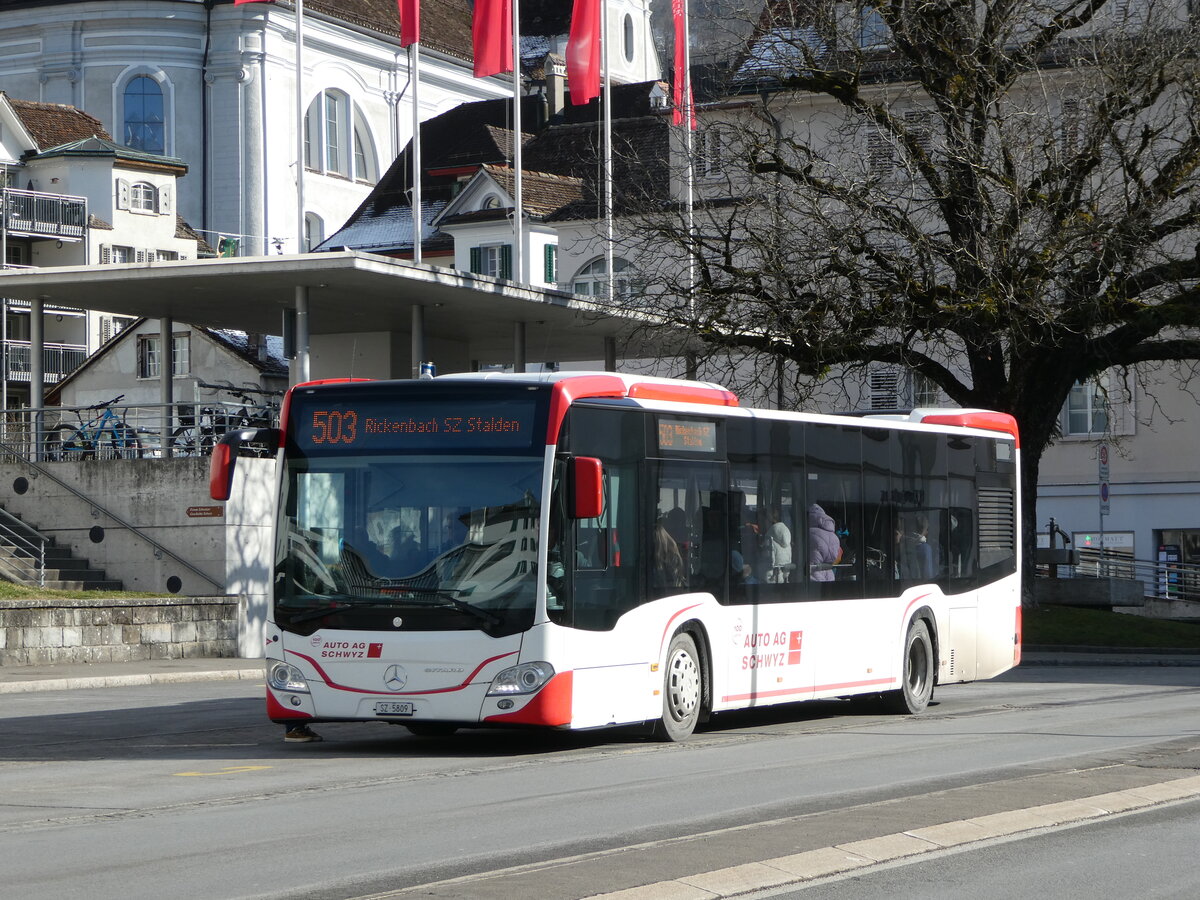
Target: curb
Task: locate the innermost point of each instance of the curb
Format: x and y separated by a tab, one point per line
814	865
132	680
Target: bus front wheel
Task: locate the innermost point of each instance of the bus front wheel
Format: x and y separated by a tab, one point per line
918	675
681	690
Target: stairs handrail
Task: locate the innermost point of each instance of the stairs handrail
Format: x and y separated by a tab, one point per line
25	537
128	526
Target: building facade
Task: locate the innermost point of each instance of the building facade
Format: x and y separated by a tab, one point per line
214	85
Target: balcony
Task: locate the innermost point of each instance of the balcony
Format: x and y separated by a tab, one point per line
58	360
37	215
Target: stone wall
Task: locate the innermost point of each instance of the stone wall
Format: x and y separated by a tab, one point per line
41	632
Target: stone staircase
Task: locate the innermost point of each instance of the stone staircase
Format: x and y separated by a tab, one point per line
64	571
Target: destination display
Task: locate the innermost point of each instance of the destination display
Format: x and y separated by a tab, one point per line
404	424
687	436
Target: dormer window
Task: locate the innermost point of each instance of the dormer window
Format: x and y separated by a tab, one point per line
143	197
491	201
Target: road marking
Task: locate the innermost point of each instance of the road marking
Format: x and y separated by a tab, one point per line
228	770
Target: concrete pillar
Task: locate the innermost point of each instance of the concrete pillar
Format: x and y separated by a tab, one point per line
418	339
37	374
518	346
610	354
166	382
300	364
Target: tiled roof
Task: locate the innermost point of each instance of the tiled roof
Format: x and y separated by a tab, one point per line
541	192
239	342
445	24
389	230
52	124
186	232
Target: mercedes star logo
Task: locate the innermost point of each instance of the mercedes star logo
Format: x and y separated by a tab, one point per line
395	678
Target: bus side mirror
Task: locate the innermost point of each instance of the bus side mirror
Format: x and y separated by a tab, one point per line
224	457
587	487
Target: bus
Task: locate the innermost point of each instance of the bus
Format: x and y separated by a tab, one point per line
581	551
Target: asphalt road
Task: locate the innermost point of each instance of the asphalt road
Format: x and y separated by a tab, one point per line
185	790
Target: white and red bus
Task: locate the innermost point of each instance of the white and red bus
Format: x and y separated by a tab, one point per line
578	551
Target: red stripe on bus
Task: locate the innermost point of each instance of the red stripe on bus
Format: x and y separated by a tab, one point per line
276	710
784	692
988	421
682	393
569	390
667	627
446	690
551	705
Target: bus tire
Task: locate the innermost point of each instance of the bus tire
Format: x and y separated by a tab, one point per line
431	729
918	674
682	690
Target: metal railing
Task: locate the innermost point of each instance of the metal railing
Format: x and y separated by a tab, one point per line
38	214
58	360
1161	580
120	430
10	452
26	543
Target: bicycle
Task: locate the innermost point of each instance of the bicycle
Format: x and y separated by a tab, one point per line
105	434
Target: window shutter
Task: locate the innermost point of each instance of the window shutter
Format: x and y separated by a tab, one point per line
551	259
881	160
105	254
1120	397
477	260
140	256
165	206
122	193
506	260
884	384
106	329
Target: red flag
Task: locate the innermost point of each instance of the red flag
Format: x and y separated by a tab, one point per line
410	22
491	30
682	93
583	52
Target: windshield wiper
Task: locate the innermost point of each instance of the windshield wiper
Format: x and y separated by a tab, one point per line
446	595
343	606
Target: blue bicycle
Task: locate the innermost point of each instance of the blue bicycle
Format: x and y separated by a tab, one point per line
105	435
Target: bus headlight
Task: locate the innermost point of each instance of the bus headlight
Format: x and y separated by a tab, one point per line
284	677
523	679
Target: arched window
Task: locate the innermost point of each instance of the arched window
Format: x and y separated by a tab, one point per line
337	140
143	196
314	231
591	280
144	119
628	37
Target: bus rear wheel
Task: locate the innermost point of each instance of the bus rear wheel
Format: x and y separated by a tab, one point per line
681	690
918	675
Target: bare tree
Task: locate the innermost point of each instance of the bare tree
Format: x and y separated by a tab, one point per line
1001	196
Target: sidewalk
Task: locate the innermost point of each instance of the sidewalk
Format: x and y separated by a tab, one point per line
22	679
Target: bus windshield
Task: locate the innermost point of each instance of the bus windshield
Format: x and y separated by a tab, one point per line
417	542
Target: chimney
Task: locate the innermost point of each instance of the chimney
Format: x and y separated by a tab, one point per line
556	84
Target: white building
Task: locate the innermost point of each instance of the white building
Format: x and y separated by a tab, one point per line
72	196
214	85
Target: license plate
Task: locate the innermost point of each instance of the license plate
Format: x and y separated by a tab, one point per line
393	708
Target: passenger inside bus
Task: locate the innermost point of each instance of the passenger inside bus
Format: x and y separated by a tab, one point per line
668	569
824	548
778	549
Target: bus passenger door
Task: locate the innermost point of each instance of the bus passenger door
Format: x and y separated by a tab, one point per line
769	656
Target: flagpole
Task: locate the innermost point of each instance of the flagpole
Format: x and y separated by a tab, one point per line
518	200
608	180
299	6
688	124
414	56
